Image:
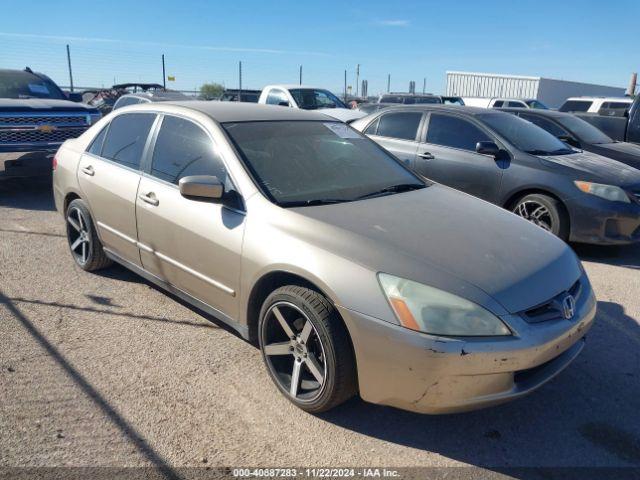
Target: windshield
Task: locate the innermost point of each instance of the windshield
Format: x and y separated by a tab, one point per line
311	99
536	104
524	135
21	84
305	163
584	130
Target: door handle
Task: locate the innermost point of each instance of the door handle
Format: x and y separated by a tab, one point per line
88	170
426	155
149	198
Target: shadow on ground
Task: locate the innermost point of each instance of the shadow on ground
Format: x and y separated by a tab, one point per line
627	256
587	416
27	193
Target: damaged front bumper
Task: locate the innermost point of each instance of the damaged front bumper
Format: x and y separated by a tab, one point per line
428	374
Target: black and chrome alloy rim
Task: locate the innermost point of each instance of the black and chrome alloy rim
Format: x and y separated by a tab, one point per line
78	235
293	351
536	213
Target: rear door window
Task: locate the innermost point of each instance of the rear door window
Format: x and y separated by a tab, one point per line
513	104
454	132
96	145
498	104
182	149
276	97
401	125
576	106
126	138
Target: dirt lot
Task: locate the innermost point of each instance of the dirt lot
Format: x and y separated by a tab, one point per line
104	369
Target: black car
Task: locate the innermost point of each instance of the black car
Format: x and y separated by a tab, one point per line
580	134
232	94
494	155
36	117
409	98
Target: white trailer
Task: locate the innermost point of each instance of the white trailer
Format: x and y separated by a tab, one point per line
549	91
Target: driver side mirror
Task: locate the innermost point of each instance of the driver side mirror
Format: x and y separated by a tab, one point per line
75	97
569	140
201	186
487	148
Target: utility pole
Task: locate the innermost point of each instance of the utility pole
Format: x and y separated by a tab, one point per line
424	85
357	78
164	74
300	74
70	72
389	83
345	86
240	80
630	91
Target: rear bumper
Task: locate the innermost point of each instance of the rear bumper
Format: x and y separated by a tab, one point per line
29	163
426	374
598	221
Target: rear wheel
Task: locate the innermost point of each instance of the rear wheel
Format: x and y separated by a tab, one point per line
84	243
306	349
545	212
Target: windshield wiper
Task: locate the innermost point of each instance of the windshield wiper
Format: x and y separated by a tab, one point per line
402	187
313	202
560	151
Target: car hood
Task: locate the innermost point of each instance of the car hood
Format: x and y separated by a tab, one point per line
343	114
596	168
42	105
452	241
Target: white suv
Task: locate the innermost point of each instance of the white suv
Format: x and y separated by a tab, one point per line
609	106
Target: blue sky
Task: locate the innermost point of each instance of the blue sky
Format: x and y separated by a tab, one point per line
590	41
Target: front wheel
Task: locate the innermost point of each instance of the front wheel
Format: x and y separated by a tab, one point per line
306	349
545	212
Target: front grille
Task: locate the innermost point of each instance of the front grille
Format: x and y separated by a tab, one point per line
38	136
552	310
43	128
35	120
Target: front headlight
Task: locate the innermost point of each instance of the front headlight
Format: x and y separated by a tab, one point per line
608	192
429	310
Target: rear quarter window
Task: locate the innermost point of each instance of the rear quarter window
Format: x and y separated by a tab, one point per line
576	106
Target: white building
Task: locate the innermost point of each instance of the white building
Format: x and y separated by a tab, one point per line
549	91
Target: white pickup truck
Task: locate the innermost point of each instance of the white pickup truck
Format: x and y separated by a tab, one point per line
308	98
497	102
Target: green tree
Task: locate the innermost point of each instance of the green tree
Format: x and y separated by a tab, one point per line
211	91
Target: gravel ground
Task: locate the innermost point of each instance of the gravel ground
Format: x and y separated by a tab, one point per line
106	370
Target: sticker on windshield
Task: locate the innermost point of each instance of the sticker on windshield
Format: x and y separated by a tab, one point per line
341	130
38	88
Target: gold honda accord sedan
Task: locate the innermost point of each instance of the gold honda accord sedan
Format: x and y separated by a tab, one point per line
353	274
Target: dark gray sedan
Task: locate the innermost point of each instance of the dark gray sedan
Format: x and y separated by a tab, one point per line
578	196
581	134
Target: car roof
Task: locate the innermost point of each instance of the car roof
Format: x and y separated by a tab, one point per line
223	112
444	108
537	111
608	99
157	95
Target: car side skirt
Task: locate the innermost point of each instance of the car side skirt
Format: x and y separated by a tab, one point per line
243	330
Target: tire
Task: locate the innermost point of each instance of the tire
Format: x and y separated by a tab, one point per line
544	211
326	349
84	244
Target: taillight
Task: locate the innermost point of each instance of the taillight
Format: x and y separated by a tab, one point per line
54	162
